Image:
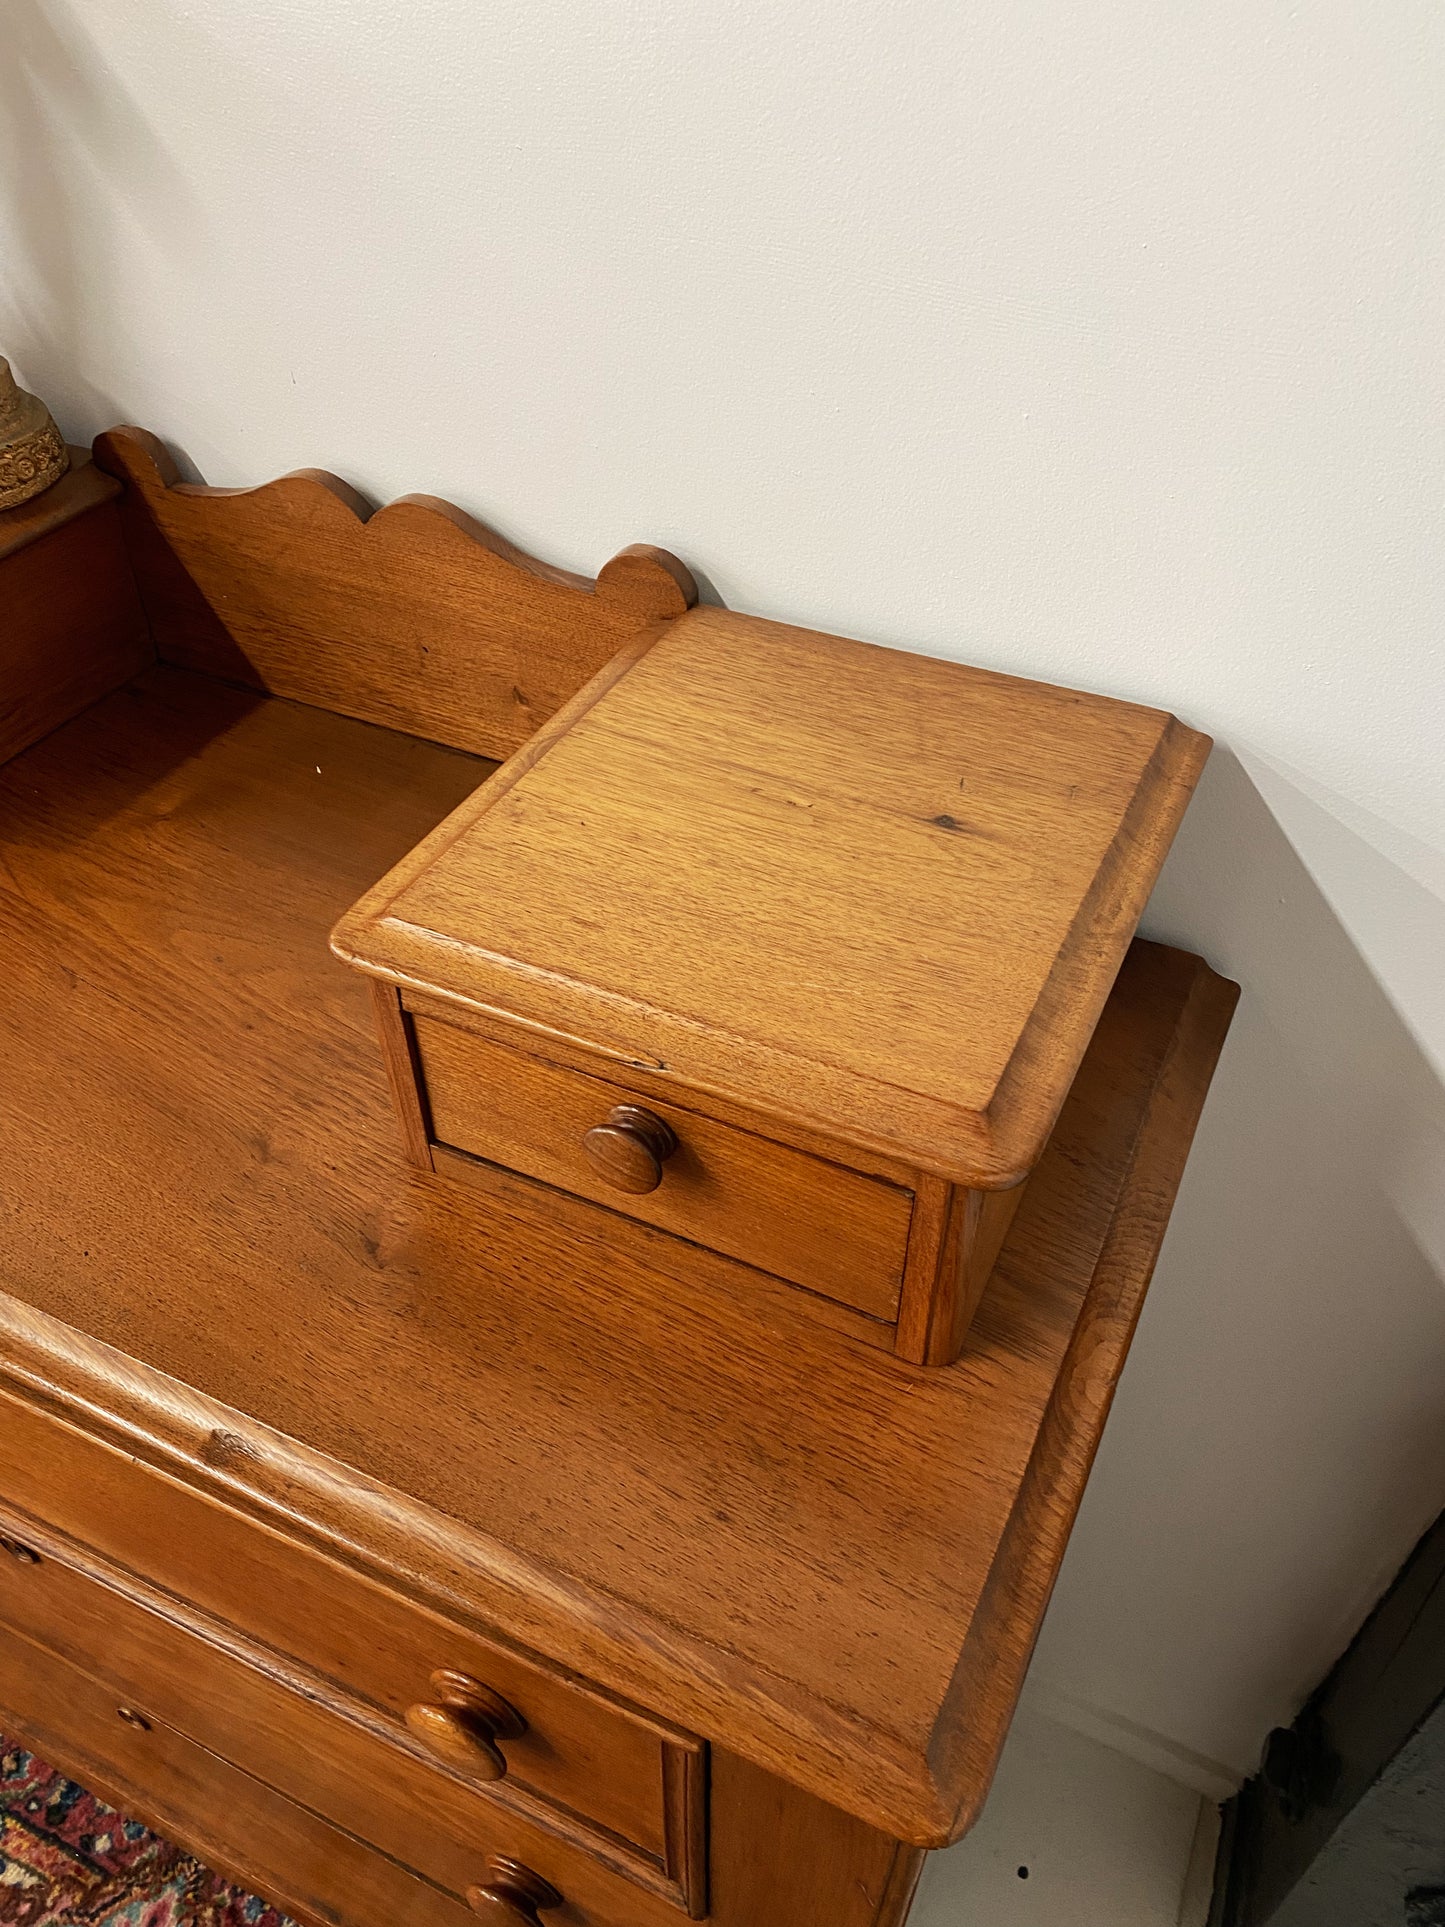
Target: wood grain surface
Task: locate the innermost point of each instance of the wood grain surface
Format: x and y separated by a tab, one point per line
283	1729
417	616
595	1770
878	895
217	1263
243	1829
117	1705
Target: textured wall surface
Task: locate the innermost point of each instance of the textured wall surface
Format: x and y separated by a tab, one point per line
1094	341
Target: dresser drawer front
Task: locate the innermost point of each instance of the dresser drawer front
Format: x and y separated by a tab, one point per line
276	1729
637	1781
235	1824
816	1224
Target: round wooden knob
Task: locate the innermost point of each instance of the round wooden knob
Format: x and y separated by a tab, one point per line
629	1150
513	1895
464	1723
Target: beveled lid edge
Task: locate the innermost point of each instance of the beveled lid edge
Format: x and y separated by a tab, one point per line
993	1147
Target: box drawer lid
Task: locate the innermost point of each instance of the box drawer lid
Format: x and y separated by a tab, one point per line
876	894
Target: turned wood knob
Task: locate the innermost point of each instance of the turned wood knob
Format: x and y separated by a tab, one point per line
464	1723
629	1150
513	1895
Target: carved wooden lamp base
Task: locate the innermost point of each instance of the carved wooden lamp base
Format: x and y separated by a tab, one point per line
32	453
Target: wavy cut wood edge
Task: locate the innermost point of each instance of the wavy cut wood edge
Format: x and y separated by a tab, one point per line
417	616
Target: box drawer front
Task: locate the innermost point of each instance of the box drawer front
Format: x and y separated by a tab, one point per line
635	1780
235	1824
276	1728
817	1224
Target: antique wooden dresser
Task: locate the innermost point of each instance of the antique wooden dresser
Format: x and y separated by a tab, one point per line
425	1489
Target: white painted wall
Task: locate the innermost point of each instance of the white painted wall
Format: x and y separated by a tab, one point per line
1095	339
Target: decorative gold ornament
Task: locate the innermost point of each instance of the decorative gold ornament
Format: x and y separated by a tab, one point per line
32	453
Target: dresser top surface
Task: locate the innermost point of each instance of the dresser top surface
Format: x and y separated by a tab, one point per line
878	894
834	1560
81	488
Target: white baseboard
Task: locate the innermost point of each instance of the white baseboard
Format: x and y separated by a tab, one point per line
1212	1778
1198	1895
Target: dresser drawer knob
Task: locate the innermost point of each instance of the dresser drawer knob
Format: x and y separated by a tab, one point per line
464	1723
513	1895
629	1150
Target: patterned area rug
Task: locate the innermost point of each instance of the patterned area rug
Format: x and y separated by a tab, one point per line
66	1858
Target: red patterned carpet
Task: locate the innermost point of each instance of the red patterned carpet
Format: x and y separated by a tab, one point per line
66	1858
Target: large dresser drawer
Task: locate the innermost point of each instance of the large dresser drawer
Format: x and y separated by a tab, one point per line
629	1787
238	1826
356	1775
839	1232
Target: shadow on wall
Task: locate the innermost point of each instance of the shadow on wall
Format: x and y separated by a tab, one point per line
1278	1441
71	143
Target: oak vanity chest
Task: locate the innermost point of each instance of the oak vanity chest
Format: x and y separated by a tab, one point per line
630	1492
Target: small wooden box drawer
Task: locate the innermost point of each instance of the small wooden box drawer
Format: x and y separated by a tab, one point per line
237	1825
608	1772
280	1730
840	1232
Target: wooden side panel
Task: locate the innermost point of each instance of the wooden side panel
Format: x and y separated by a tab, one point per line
932	1238
939	1299
403	1072
71	625
994	1212
417	617
782	1858
939	1305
